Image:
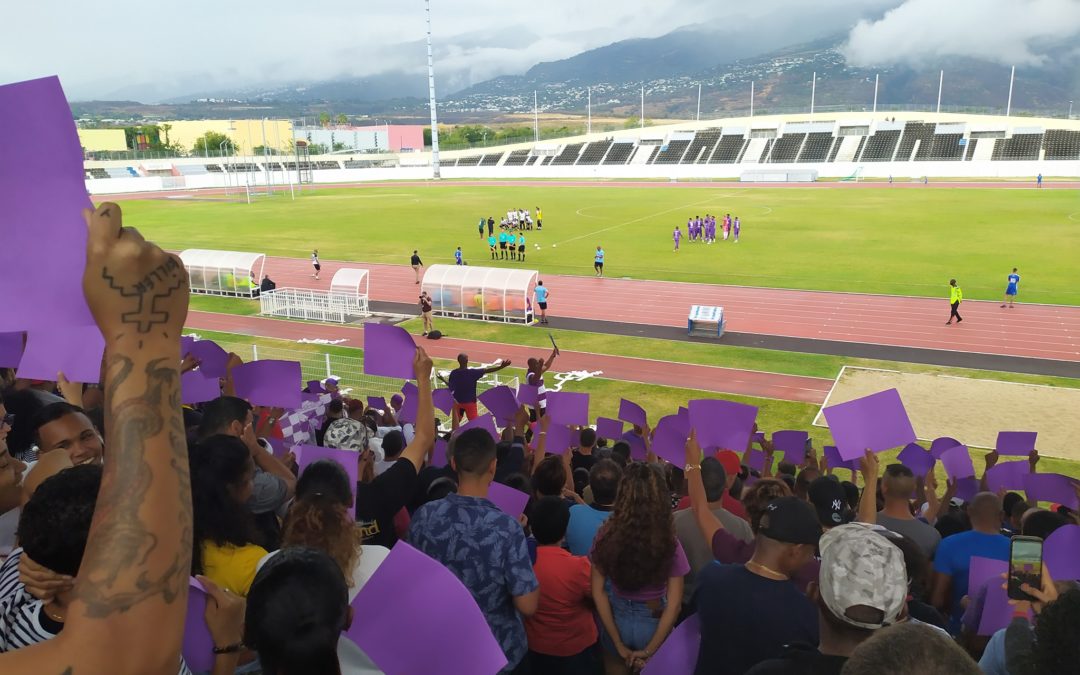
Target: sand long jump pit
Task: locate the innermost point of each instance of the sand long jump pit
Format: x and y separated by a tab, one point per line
970	410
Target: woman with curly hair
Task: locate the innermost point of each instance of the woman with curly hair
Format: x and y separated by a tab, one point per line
638	569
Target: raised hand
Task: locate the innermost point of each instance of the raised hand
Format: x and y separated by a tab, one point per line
71	391
693	450
868	466
422	365
992	458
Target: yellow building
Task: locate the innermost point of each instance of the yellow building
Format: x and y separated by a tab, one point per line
246	134
102	140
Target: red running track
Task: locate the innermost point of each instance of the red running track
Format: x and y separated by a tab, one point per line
1038	331
648	371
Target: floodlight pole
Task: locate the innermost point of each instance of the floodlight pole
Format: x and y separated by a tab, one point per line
751	98
698	102
588	127
536	119
875	91
642	106
1008	106
813	92
940	85
431	98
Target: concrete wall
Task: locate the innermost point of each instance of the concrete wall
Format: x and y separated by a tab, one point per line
101	140
246	134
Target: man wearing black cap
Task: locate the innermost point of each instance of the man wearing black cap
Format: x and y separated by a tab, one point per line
749	612
828	498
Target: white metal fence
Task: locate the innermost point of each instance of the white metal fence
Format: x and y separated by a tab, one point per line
312	305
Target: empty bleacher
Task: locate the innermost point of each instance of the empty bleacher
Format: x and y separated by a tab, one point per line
531	160
98	173
728	149
594	152
191	169
1019	148
786	148
671	153
327	164
118	172
1062	144
547	160
241	167
701	147
941	148
568	156
835	150
816	147
472	160
213	168
969	151
491	159
914	132
619	153
880	146
517	158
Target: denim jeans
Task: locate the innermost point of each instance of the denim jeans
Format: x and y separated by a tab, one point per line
634	620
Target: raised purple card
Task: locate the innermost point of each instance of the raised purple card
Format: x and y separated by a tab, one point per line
443	400
410	406
757	437
997	612
568	407
1015	442
315	387
957	462
271	383
510	501
722	424
792	443
1007	476
75	351
439	457
669	440
527	395
941	444
485	422
185	344
967	488
1061	553
876	422
917	458
411	589
633	413
1051	487
306	455
608	428
501	402
678	655
982	570
638	452
835	461
559	439
755	459
213	360
11	349
389	351
198	388
377	402
43	234
198	646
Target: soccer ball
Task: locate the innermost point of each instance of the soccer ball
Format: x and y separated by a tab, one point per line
553	246
537	246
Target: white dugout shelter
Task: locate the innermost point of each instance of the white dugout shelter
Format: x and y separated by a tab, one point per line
347	297
228	273
487	293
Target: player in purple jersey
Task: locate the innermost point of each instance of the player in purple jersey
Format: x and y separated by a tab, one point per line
677	236
736	228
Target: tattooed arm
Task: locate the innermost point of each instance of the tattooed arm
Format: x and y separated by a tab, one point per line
130	596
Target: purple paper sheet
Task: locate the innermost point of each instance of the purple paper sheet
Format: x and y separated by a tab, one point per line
632	413
389	351
306	455
501	402
213	360
967	488
941	444
878	422
568	407
185	344
981	570
75	351
440	456
637	446
1051	487
835	461
957	462
197	647
792	443
510	501
11	349
198	388
722	424
678	655
608	428
485	422
917	458
377	402
411	405
1061	553
757	437
755	459
559	439
1007	476
43	254
410	589
527	395
315	387
1015	442
270	383
443	400
997	612
669	440
278	446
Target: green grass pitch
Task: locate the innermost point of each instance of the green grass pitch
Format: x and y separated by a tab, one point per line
899	241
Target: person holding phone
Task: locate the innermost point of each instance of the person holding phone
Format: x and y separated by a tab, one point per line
1025	566
425	311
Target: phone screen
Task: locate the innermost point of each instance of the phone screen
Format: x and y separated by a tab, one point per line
1025	566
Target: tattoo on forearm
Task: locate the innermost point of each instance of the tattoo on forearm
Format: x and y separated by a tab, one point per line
161	282
125	563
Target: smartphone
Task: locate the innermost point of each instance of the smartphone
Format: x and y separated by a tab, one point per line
1025	565
809	447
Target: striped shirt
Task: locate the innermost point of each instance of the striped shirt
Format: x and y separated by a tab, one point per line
23	620
535	380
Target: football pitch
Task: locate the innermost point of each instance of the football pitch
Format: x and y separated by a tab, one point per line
897	241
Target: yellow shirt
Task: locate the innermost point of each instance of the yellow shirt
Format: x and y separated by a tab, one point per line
232	567
955	294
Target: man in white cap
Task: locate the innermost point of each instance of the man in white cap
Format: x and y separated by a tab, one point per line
862	587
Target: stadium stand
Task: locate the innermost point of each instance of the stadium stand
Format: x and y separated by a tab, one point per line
491	159
941	148
881	146
969	151
118	172
547	160
728	150
1062	144
472	160
619	153
568	156
517	158
915	133
816	148
835	150
1021	147
786	148
98	173
242	167
702	146
594	152
192	169
327	164
531	160
672	153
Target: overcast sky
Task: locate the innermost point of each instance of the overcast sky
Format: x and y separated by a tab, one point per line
123	48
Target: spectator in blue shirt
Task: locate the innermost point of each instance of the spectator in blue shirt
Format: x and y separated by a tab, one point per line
585	520
457	256
483	546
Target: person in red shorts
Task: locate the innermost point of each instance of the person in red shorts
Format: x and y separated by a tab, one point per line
462	384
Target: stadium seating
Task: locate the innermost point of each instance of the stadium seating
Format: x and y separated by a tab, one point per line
941	148
242	167
619	153
1021	147
531	160
213	168
919	133
547	160
835	150
594	152
98	173
568	156
472	160
517	158
327	164
786	148
1062	144
702	146
491	159
671	153
816	148
191	169
728	150
118	172
880	146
